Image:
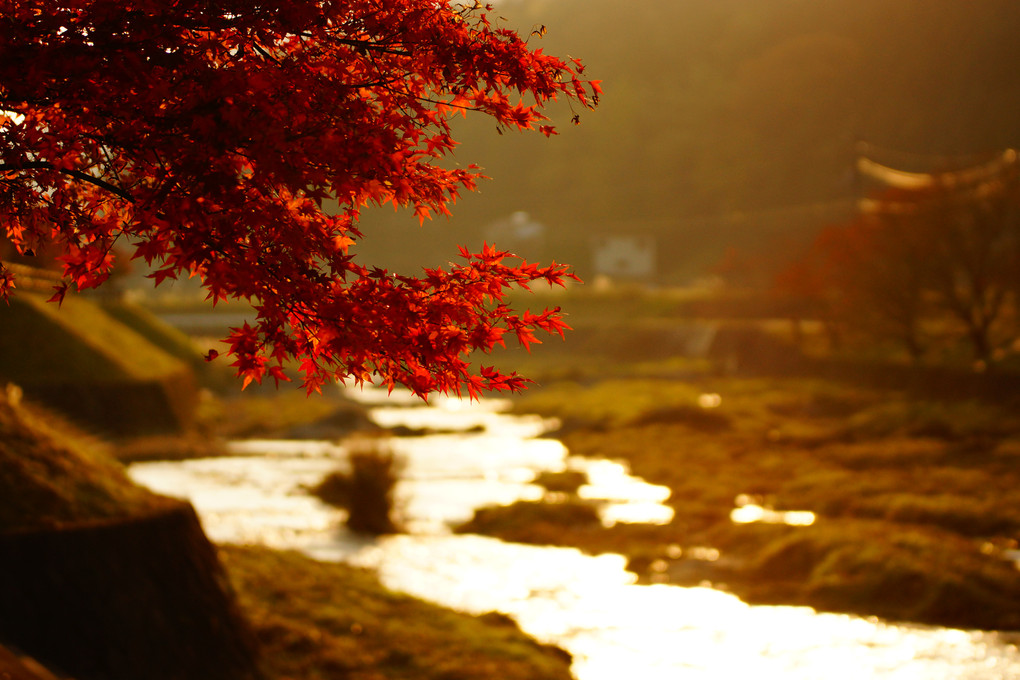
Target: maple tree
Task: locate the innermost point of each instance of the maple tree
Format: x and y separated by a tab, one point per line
914	256
208	134
862	276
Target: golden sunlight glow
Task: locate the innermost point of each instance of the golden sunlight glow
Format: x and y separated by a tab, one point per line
709	400
748	512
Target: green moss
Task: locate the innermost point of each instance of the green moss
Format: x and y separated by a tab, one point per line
951	420
905	573
608	402
566	481
277	413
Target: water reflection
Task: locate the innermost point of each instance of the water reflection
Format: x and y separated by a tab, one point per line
749	510
709	400
591	606
632	500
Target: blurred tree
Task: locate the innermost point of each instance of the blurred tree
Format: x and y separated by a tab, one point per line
807	290
946	241
975	252
860	278
208	135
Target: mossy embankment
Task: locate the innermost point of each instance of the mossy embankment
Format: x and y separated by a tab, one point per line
115	368
914	492
114	371
104	579
53	475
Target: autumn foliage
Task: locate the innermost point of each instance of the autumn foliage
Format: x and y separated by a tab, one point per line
207	135
918	263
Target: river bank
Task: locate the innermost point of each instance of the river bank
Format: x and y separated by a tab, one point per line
905	508
590	605
320	620
119	607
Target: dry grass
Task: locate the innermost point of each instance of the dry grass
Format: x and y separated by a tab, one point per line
318	621
915	495
51	473
366	489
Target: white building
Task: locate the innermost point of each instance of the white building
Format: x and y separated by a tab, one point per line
518	233
627	256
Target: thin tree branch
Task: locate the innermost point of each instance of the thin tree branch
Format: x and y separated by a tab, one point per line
77	174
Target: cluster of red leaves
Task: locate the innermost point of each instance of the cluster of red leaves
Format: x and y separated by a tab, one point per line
208	134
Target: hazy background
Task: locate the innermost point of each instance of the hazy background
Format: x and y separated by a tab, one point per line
725	123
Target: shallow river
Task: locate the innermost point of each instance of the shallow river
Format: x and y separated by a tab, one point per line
590	606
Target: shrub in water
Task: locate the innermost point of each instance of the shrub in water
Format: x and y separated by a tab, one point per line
367	490
333	489
373	478
567	481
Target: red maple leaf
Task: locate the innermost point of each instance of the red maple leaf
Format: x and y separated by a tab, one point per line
208	135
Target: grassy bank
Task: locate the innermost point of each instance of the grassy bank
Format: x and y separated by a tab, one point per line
914	497
907	525
312	620
52	474
316	620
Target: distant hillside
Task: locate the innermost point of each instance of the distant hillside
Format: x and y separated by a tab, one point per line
728	122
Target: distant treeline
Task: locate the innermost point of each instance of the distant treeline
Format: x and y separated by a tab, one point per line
727	122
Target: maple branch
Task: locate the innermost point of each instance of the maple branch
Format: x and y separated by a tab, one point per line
261	50
77	174
369	46
255	115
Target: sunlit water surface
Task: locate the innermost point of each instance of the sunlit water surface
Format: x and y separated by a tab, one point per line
590	606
